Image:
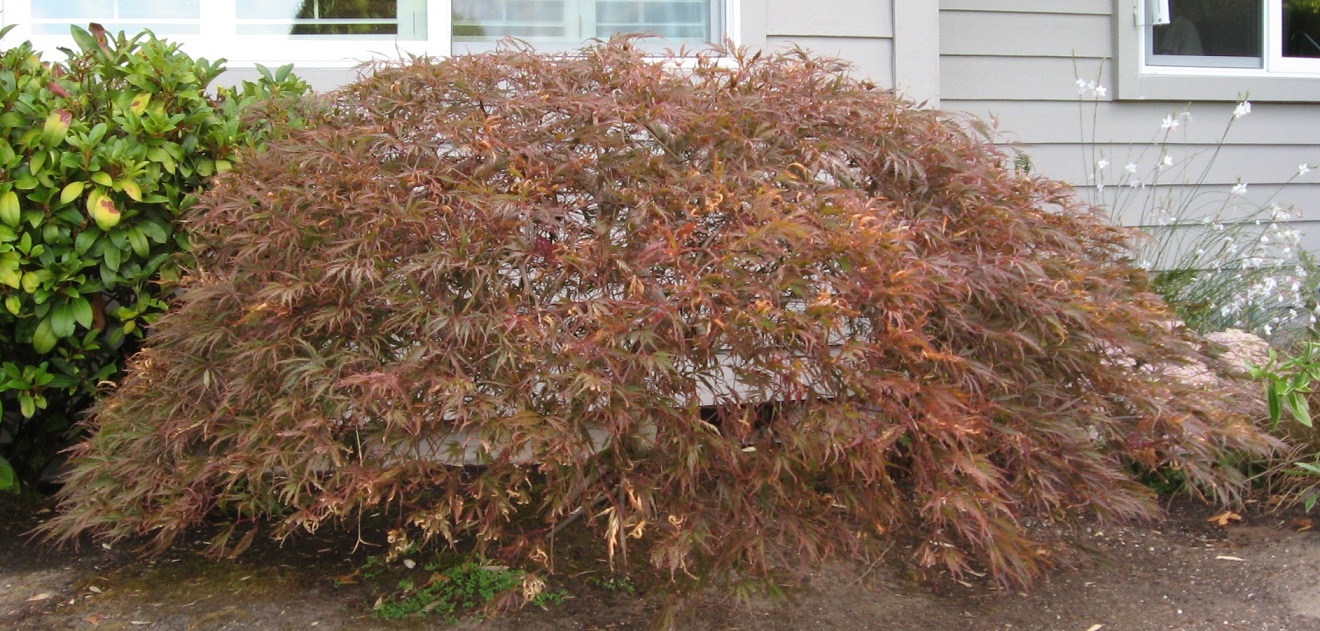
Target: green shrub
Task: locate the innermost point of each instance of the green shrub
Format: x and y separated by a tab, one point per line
99	155
793	315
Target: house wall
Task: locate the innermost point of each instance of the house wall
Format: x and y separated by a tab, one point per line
865	37
1017	62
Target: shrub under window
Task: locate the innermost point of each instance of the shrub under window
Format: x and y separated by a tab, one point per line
736	317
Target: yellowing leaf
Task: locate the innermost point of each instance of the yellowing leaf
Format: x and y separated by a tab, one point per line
72	191
139	103
56	127
10	277
103	178
31	282
103	210
131	189
9	210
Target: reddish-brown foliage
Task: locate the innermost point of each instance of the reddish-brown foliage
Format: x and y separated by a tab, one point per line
799	314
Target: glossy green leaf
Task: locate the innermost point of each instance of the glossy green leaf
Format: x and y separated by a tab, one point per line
10	213
82	312
138	242
62	321
44	338
86	239
72	191
8	478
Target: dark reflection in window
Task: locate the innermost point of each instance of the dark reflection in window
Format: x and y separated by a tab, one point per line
1301	28
347	10
1211	28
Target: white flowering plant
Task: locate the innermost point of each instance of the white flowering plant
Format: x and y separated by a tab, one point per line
1223	256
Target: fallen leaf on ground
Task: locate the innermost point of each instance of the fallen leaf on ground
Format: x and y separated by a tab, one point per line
1224	518
1095	627
1225	557
1301	524
41	596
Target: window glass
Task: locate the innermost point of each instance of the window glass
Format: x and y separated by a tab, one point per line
1301	28
163	17
576	20
1209	32
402	18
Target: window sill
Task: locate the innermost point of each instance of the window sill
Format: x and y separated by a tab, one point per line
1215	84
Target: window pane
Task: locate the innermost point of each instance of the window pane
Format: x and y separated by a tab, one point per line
1218	29
1301	28
163	17
404	18
575	20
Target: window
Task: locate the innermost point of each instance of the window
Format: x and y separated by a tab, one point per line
1217	50
342	33
576	20
1262	35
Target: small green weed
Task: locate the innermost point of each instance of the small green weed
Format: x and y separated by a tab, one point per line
615	584
456	592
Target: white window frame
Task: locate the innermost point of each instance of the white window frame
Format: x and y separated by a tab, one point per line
1277	79
244	51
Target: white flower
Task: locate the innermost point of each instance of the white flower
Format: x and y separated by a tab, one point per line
1101	164
1170	122
1242	109
1167	161
1303	169
1081	86
1185	116
1130	167
1101	91
1134	183
1239	189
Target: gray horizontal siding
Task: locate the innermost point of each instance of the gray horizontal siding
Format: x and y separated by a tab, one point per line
830	18
872	58
858	31
1253	164
1017	61
1126	123
1007	78
964	33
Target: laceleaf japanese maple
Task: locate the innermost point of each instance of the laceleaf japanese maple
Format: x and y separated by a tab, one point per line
742	314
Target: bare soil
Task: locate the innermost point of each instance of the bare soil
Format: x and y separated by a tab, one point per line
1262	572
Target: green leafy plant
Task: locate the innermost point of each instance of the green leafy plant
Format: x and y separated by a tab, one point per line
99	155
1288	389
739	317
459	591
